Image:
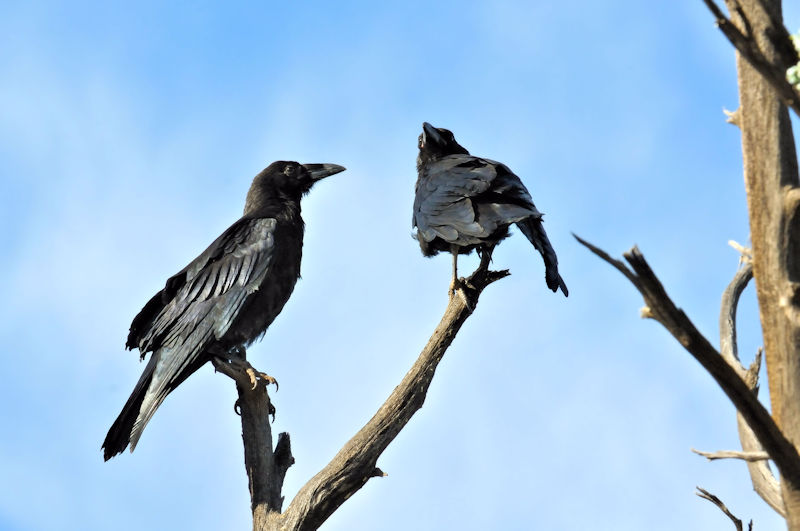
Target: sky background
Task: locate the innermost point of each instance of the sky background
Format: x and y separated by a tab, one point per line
128	139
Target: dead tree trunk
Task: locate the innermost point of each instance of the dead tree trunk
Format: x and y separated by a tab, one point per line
771	181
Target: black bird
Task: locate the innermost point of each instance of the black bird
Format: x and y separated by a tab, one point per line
464	203
224	299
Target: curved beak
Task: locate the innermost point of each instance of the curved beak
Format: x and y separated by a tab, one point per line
430	134
320	171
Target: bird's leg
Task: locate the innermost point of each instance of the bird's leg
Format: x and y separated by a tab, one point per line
233	363
486	256
454	283
457	286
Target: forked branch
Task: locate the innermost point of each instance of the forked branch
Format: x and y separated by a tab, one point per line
356	462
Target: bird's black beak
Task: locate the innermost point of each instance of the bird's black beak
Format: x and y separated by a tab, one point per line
430	134
320	171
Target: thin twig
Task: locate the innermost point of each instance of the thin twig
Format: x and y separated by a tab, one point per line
733	454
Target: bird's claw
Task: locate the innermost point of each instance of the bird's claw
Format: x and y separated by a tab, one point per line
235	361
237	407
256	376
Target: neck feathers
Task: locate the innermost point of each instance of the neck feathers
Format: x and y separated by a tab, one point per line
271	203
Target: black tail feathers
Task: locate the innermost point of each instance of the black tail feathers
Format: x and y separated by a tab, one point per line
120	434
533	229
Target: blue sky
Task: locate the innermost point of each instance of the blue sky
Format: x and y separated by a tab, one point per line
128	139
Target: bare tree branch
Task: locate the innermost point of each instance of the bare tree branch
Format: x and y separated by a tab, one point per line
727	318
356	462
662	309
764	482
733	454
773	72
716	501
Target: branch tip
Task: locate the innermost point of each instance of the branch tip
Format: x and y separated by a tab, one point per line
746	252
732	117
716	501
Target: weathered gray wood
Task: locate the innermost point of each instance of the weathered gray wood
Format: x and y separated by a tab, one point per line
728	346
734	454
764	482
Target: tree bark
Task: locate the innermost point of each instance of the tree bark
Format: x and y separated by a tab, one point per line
266	468
771	180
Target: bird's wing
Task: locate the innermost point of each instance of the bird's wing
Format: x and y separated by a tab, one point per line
208	295
461	197
205	297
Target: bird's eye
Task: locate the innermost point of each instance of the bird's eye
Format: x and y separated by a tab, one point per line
288	170
420	142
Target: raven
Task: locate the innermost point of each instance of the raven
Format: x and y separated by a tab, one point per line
463	203
224	299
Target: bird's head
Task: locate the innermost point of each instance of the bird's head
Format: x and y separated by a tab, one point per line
284	181
437	142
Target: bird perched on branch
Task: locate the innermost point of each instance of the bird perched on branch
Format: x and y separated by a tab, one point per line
224	299
464	203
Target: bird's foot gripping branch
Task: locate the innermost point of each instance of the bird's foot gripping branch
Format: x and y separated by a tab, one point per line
247	378
467	290
236	366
